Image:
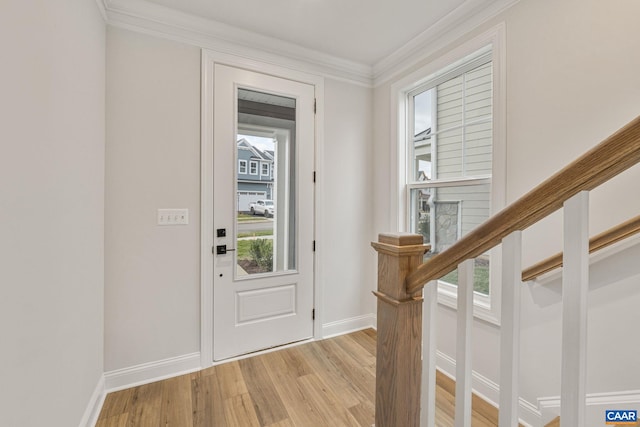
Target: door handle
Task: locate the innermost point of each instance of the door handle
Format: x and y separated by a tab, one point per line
222	249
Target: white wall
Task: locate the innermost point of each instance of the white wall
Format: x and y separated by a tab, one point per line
612	348
571	81
347	255
152	296
51	210
152	273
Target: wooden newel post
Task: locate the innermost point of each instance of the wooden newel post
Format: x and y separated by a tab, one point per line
399	365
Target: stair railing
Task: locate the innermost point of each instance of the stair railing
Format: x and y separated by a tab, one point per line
401	387
605	239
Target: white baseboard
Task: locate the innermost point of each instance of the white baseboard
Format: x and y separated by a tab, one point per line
550	406
91	414
346	326
489	390
631	397
155	371
151	372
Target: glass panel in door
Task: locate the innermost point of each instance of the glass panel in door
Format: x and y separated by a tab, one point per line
265	185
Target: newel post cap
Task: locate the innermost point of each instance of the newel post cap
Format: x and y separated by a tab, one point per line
400	244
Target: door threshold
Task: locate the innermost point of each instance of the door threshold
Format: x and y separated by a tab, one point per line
263	351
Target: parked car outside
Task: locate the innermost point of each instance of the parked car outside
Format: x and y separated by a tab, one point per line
263	207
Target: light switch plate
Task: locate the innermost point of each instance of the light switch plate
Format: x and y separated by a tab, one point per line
173	216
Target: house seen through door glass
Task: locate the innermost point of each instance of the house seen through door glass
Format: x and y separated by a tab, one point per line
265	185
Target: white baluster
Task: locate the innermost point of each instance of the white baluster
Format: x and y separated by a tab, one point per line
463	346
575	287
510	329
428	399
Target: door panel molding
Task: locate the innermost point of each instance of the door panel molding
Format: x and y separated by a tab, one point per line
209	60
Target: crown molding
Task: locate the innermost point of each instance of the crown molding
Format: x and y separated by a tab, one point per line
160	21
457	23
149	18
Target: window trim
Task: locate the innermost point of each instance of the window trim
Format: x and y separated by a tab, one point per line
493	41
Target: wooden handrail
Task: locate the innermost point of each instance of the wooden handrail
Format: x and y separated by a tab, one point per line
600	241
614	155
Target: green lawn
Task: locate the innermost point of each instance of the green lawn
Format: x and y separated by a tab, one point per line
480	277
245	217
243	249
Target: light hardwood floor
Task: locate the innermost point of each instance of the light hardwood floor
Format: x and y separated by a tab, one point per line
324	383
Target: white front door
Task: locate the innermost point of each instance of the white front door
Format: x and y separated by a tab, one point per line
263	267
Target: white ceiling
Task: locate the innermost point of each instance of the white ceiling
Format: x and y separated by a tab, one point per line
364	31
363	41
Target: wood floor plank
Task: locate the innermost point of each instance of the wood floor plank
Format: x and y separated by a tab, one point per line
326	403
283	423
117	403
239	411
268	405
480	421
146	401
370	332
364	413
285	382
443	419
208	371
176	407
318	384
115	421
200	395
231	380
322	365
363	377
445	402
296	362
368	342
356	351
207	407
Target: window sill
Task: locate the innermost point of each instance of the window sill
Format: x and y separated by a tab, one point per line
482	309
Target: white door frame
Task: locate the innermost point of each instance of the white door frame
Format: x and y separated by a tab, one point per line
209	59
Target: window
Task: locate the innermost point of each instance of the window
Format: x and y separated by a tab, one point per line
242	166
265	169
253	168
450	164
451	158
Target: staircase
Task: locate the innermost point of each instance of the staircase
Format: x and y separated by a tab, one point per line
406	372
